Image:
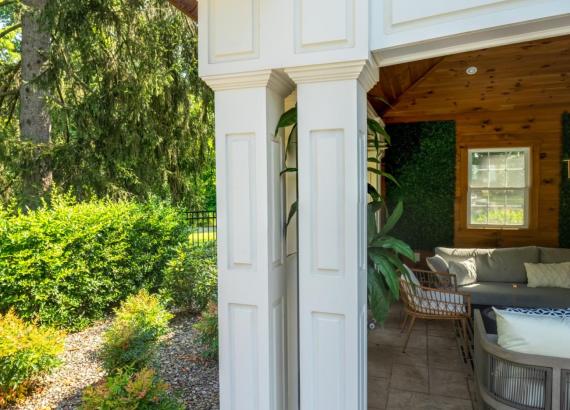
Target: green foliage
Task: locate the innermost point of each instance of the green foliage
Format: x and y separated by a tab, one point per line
384	251
191	278
207	328
384	264
564	226
130	115
26	352
512	216
9	85
133	338
67	264
127	391
9	34
422	159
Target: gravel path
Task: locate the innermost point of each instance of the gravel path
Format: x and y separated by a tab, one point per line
80	368
193	380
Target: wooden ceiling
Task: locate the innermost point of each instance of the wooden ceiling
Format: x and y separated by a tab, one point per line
519	76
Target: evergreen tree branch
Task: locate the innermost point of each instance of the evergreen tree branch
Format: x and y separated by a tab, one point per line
12	110
7	2
10	92
9	76
8	30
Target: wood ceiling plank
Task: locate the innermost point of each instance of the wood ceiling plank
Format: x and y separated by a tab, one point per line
514	77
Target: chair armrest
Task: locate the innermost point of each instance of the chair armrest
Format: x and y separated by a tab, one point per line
436	280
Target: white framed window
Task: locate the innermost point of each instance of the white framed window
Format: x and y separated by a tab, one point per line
499	185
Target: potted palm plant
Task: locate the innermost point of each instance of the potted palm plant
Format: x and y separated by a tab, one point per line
385	265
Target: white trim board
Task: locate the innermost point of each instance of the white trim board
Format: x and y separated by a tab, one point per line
470	41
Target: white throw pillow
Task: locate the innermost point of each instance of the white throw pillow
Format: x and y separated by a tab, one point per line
533	334
465	271
548	275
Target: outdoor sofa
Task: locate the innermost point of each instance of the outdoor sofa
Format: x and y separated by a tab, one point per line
511	380
501	275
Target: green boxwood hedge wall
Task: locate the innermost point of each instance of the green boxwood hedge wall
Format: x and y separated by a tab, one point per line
422	158
564	230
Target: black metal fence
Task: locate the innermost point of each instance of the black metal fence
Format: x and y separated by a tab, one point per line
204	225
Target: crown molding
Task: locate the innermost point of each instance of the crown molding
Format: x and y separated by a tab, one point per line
281	83
273	79
362	70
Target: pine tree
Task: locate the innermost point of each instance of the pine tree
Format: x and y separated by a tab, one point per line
129	114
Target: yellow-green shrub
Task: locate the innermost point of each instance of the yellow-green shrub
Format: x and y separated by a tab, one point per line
69	263
191	277
207	328
126	391
133	338
26	352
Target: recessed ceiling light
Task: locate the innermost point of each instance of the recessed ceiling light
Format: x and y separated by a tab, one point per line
471	70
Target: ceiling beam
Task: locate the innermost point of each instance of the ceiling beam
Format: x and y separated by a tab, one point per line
413	85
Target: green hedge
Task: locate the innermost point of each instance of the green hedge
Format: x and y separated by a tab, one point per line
422	158
564	230
69	264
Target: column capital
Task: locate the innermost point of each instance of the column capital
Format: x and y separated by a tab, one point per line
273	79
362	70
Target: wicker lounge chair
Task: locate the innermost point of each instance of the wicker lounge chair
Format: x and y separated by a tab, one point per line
434	296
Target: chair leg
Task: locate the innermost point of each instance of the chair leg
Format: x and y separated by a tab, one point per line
465	337
403	327
411	327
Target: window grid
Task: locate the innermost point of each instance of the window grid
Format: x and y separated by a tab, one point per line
498	188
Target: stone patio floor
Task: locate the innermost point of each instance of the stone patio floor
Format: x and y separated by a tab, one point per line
430	375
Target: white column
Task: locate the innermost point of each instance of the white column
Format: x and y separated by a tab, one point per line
252	289
332	125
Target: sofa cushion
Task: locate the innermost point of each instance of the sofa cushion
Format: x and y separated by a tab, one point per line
548	275
554	255
460	254
533	334
504	294
434	301
541	311
505	265
490	320
465	272
437	264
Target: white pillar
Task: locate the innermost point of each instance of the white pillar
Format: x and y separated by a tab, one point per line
252	289
332	112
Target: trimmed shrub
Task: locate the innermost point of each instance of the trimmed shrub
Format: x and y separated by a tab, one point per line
191	278
133	338
207	328
141	391
71	263
26	352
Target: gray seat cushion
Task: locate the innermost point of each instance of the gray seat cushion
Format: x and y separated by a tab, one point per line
554	255
503	294
506	265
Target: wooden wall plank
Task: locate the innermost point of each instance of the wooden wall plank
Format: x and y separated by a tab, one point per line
523	128
516	99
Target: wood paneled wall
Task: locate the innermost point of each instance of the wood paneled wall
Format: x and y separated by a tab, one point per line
516	99
539	129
